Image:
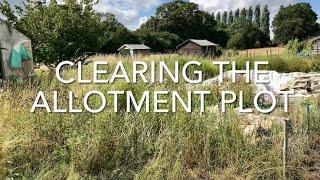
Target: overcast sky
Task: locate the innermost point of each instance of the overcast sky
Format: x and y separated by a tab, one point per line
132	13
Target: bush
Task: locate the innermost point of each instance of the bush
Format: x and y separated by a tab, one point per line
299	47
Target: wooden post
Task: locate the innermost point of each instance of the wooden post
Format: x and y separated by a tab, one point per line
308	117
285	147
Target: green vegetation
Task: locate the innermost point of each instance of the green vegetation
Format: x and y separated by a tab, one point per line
295	21
245	35
265	21
243	30
187	21
145	145
58	32
64	31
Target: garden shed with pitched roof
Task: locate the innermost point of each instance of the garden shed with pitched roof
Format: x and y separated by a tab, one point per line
134	49
316	45
197	47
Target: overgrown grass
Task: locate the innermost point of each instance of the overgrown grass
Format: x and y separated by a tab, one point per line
142	145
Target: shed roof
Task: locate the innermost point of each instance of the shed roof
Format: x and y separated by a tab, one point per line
135	47
315	39
199	42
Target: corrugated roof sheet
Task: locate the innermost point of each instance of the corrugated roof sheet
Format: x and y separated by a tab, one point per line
135	47
315	38
203	42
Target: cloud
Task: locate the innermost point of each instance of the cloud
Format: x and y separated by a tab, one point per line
142	20
131	13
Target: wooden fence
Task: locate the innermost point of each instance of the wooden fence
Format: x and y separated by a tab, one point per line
263	52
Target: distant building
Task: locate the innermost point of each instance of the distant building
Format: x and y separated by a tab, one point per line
15	53
134	49
197	47
316	45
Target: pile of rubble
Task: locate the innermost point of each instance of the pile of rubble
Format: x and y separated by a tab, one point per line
304	85
259	122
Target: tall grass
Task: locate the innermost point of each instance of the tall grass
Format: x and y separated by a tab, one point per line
138	145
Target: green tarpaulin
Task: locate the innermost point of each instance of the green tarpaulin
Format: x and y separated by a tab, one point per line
18	55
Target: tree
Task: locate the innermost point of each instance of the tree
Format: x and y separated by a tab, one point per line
224	17
6	10
184	19
250	14
158	41
116	34
59	32
257	15
230	18
213	16
245	35
265	21
295	21
237	14
218	17
243	14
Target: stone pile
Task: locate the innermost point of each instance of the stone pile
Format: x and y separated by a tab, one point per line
304	85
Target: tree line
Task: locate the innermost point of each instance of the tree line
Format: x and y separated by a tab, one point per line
62	31
247	28
258	18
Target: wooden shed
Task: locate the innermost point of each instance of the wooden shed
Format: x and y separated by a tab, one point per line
316	45
16	59
197	47
134	49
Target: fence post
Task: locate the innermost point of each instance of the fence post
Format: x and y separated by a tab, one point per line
285	147
308	117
